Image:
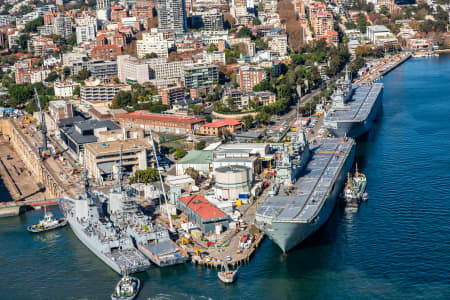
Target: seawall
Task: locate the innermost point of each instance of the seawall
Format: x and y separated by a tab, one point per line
31	159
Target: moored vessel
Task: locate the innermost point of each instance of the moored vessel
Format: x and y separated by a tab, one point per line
226	275
113	246
47	223
354	108
127	288
302	207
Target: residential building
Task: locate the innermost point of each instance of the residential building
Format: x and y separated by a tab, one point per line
159	122
202	75
102	158
103	4
64	89
62	26
102	69
152	42
278	44
172	16
60	109
85	33
250	76
210	20
100	92
43	46
172	95
220	126
107	52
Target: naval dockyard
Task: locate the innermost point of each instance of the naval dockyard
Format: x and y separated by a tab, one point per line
214	206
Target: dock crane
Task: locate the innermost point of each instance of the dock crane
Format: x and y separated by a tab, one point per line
44	149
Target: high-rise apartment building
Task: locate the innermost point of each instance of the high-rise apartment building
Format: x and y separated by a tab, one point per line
250	76
103	4
62	26
172	16
85	33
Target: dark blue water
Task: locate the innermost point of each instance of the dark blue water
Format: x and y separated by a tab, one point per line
396	247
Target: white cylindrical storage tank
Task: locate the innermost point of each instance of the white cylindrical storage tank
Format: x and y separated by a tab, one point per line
232	181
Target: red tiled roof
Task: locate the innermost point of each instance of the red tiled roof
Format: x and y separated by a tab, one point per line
145	115
222	123
202	207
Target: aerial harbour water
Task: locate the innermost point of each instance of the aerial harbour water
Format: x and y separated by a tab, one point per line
395	247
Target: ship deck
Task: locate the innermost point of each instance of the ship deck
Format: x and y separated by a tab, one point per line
303	202
360	105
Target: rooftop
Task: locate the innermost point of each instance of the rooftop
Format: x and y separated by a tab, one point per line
115	146
202	207
145	115
222	123
197	157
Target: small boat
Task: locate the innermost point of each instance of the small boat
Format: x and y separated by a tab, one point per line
226	275
127	288
47	223
355	190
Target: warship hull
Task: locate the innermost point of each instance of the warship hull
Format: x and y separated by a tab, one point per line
287	234
120	260
81	236
356	127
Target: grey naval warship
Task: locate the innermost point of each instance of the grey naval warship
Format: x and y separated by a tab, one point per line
152	239
114	247
304	203
353	108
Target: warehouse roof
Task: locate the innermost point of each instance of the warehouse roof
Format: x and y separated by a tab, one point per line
202	207
222	123
197	157
145	115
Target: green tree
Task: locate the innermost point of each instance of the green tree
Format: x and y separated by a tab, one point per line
23	41
121	100
33	25
145	176
248	121
212	48
52	77
150	55
244	32
76	90
200	145
256	21
193	173
263	85
262	118
180	153
66	72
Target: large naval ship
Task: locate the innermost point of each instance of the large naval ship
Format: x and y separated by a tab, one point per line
113	246
305	203
353	108
152	239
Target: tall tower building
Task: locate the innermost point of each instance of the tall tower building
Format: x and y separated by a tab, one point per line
103	4
172	16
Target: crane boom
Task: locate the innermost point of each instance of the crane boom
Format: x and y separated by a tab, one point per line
43	126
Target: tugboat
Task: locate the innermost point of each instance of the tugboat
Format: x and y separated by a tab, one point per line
352	199
47	223
361	182
355	190
127	288
226	275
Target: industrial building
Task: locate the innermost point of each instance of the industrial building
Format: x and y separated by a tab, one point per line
200	160
232	181
201	212
76	133
102	158
160	123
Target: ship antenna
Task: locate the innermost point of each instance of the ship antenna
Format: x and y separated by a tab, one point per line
120	174
356	170
84	176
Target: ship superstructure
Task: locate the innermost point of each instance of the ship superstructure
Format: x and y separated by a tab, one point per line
354	108
152	239
113	246
302	207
